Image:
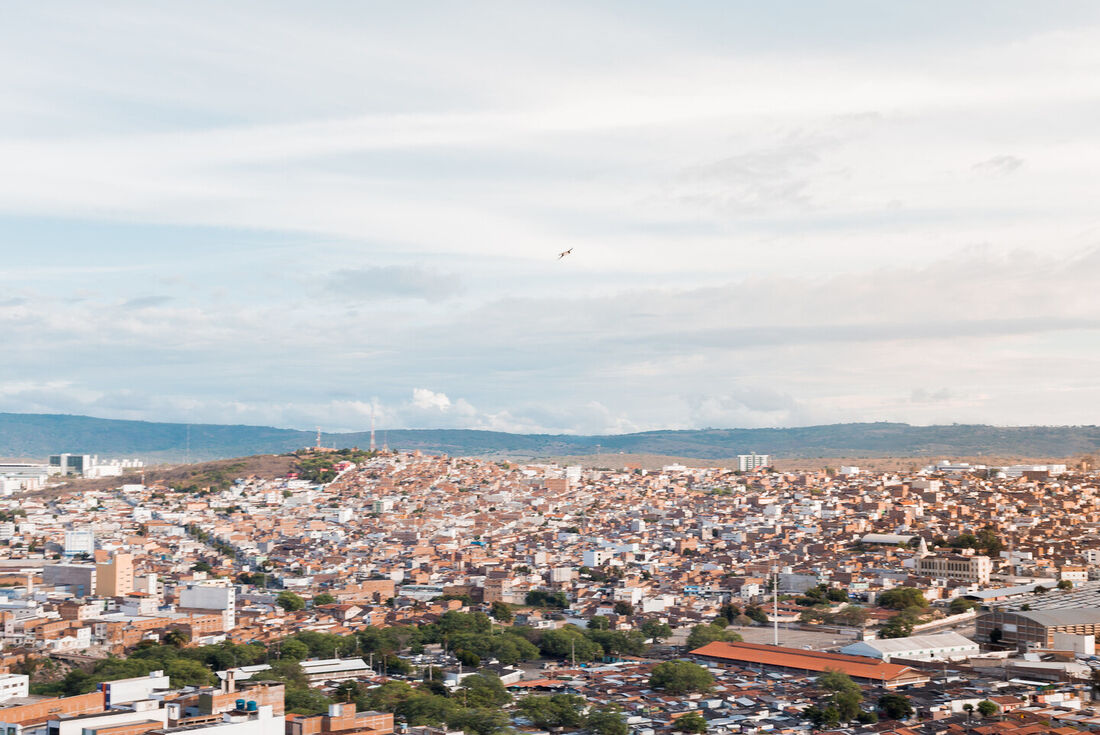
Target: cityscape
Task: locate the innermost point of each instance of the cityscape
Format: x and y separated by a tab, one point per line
514	367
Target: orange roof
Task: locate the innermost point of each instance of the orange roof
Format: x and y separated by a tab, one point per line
796	658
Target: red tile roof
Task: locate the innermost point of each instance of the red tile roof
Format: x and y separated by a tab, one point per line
859	667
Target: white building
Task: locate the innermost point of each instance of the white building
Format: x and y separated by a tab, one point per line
937	647
210	596
749	462
79	542
14	685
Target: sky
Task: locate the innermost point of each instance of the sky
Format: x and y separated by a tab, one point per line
780	214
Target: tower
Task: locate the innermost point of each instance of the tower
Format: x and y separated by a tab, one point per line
318	437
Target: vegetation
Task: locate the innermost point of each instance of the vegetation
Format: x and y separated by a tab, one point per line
701	635
690	722
680	677
901	598
895	706
546	598
321	468
290	601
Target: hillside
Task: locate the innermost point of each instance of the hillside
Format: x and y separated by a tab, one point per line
37	435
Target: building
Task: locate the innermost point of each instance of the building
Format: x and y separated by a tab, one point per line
1020	627
79	578
13	686
79	542
749	462
210	597
342	719
335	669
859	668
938	647
115	578
72	464
973	569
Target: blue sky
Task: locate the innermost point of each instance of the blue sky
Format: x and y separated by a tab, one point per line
781	214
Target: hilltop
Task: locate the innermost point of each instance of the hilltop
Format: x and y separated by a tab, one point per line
37	435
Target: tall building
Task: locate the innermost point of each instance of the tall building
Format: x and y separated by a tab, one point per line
749	462
115	578
72	464
79	542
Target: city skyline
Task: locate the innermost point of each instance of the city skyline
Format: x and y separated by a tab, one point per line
783	216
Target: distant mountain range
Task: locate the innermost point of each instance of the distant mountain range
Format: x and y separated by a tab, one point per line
38	435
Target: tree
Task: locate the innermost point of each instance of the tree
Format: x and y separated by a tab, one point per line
323	599
177	637
502	611
1065	585
348	691
484	690
960	605
201	566
479	720
555	710
469	659
899	626
293	649
996	635
987	708
599	622
680	677
289	601
543	598
701	635
690	722
900	598
895	706
846	694
606	721
622	607
656	630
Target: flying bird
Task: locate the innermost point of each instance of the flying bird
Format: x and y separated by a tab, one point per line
564	253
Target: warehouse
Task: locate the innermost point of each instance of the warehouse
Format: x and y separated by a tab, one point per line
937	647
860	668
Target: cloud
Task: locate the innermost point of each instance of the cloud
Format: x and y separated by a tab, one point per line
998	165
430	400
386	282
146	302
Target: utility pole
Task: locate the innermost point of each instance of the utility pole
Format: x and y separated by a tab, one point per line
573	651
775	603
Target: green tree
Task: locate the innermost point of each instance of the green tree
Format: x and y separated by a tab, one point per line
960	605
623	608
987	708
323	599
701	635
607	720
502	611
680	677
895	706
479	720
900	598
1065	585
555	710
846	694
899	626
177	638
293	649
483	690
599	622
656	630
289	601
690	722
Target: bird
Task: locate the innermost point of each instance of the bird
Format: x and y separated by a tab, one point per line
564	253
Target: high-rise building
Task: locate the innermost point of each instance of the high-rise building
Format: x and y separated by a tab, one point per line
115	578
749	462
79	542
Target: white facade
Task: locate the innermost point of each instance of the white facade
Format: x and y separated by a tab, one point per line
938	647
14	685
211	596
79	542
748	462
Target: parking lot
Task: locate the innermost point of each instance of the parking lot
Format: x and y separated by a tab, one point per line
816	640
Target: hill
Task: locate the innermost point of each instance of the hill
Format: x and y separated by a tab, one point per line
37	435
